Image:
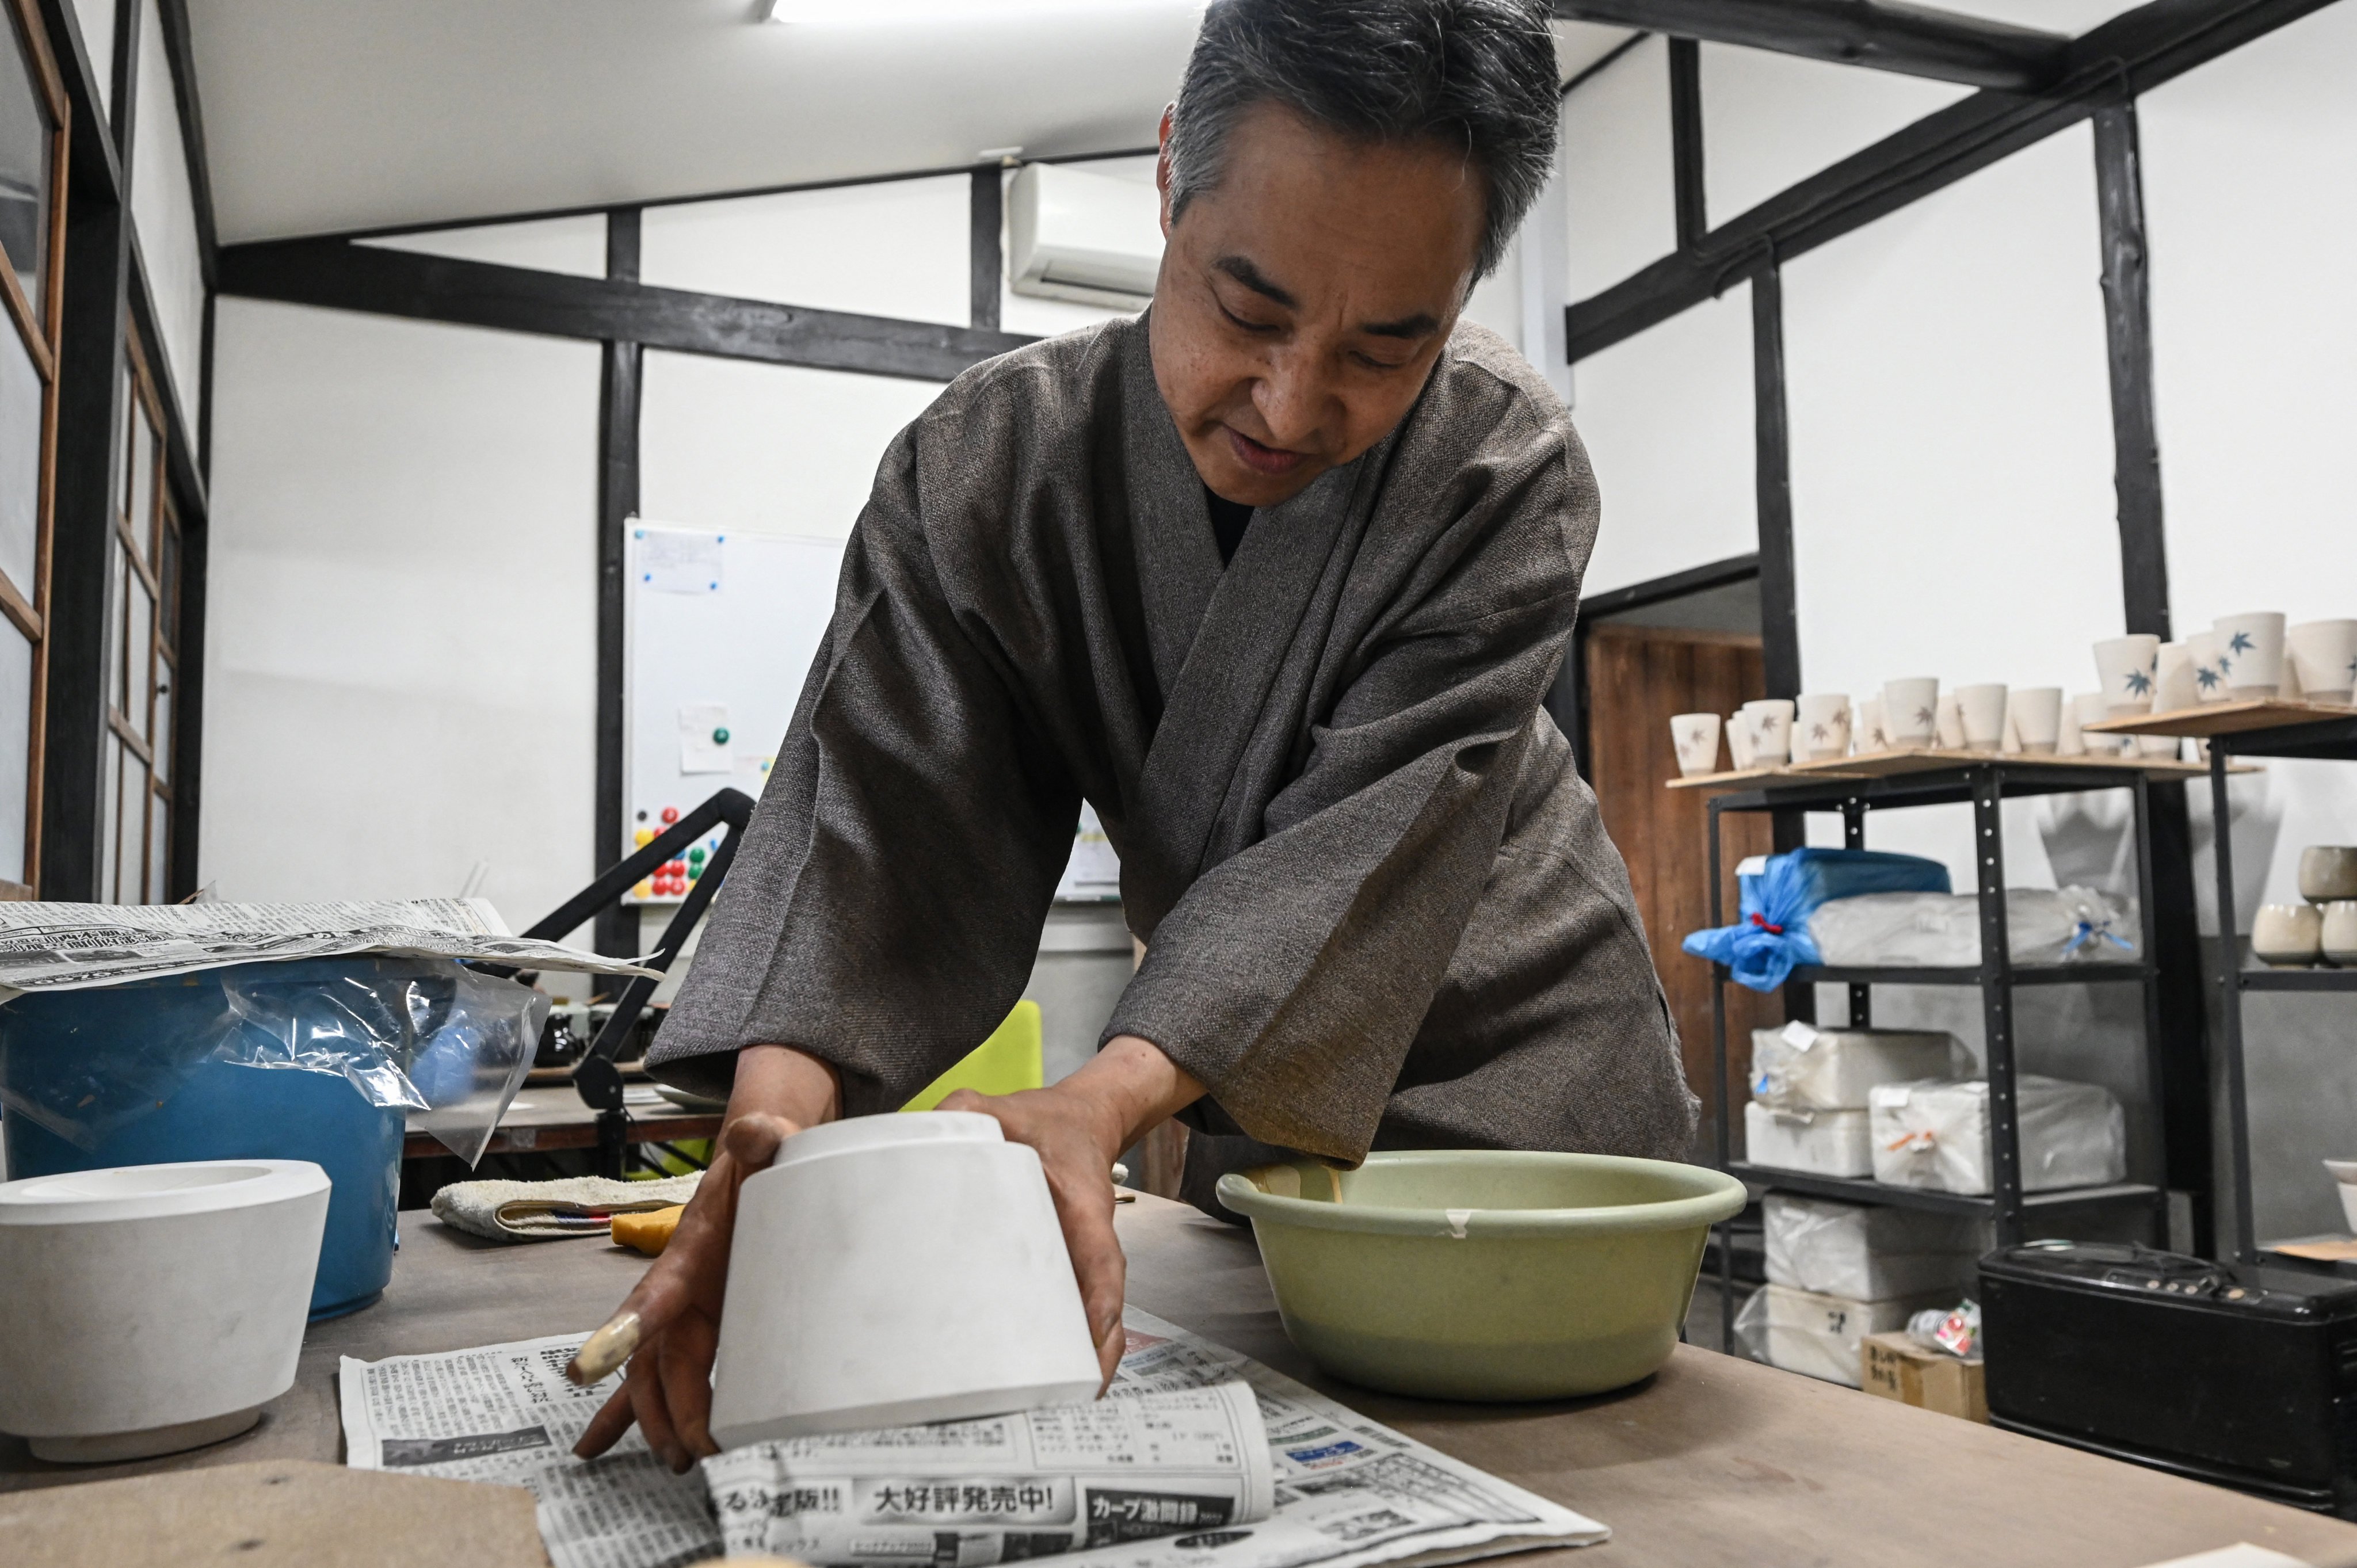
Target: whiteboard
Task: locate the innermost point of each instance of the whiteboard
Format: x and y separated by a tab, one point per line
721	627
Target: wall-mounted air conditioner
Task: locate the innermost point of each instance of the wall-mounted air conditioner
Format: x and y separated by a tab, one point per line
1087	237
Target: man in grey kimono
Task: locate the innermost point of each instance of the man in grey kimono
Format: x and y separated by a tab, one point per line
1276	576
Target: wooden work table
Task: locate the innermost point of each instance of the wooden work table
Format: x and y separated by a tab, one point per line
1713	1461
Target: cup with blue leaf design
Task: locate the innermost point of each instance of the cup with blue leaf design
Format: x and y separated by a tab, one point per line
2251	645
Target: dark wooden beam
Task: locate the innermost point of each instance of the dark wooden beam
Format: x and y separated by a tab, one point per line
986	216
1780	616
344	276
2175	1014
616	932
1590	72
1886	35
93	169
1693	211
2132	53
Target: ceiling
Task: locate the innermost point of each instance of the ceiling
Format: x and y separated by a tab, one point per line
329	116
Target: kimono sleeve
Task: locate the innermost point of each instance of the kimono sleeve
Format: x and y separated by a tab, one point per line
883	911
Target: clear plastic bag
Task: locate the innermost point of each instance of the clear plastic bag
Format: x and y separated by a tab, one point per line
2066	925
448	1043
1802	1068
1869	1253
1935	1134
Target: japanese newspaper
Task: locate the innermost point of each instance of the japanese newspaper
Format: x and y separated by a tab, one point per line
65	947
962	1494
1100	1487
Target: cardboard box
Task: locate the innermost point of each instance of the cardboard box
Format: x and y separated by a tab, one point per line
1897	1367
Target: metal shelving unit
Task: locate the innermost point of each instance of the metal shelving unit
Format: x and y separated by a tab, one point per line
1986	785
2331	739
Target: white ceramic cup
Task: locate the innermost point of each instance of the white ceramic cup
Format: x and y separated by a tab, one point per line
1771	730
2036	714
2287	936
1822	725
1739	741
2324	653
2091	708
2173	684
1980	715
2209	670
1696	736
2069	739
2251	645
1911	712
2344	1175
893	1270
2340	933
154	1308
2125	667
1948	727
1870	735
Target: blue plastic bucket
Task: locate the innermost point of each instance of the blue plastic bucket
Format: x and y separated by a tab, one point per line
57	1051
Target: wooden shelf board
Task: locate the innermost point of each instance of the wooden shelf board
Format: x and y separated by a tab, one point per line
2224	718
1926	759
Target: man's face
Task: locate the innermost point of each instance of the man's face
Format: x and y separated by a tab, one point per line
1304	300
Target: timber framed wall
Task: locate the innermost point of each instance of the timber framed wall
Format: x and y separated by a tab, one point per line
2096	77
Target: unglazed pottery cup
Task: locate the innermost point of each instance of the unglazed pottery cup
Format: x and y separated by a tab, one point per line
2287	936
1771	730
1696	736
2209	669
2340	933
1911	711
2125	668
1980	713
1870	735
2173	685
2328	871
1822	725
1739	740
2251	645
1948	728
2324	653
2038	719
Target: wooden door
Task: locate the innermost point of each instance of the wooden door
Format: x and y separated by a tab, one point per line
1637	677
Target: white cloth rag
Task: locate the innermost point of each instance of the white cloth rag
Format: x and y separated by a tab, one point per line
553	1210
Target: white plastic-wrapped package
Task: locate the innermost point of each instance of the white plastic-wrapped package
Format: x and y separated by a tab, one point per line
1935	1134
2069	925
1821	1142
1820	1335
1865	1253
1802	1068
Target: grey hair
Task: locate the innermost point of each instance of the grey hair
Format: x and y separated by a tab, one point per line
1478	75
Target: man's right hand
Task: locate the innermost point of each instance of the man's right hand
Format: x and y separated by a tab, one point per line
669	1326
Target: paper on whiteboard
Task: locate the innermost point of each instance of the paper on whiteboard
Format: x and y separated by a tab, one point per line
703	738
680	560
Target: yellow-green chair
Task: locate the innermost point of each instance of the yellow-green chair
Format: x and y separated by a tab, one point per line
1007	1061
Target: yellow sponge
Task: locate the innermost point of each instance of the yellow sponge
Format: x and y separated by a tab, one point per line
649	1232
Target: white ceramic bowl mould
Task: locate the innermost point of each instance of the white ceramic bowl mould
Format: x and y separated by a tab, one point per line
154	1308
896	1269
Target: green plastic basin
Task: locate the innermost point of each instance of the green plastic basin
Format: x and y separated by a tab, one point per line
1484	1275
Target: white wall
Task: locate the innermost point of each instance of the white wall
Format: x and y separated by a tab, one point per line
1617	194
1667	417
2249	166
765	448
96	20
575	245
1770	121
163	213
898	248
401	624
